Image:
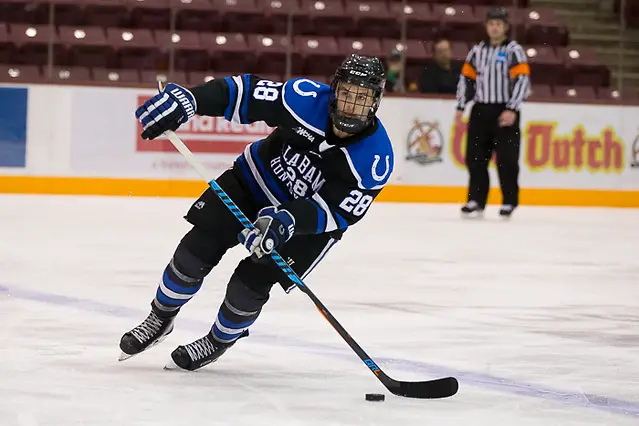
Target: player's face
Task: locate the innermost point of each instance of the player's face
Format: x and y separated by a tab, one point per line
354	101
496	28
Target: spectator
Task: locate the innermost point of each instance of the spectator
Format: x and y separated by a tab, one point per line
395	72
441	74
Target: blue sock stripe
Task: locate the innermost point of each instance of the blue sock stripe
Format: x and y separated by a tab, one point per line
225	336
178	288
230	324
166	300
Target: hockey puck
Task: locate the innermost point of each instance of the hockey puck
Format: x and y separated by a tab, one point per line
375	397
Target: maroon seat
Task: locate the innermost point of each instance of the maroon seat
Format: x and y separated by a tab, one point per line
324	18
562	92
275	15
195	78
628	94
196	15
187	49
239	16
152	14
24	12
363	46
416	51
544	27
6	47
136	48
67	12
18	72
319	78
87	46
32	44
105	75
150	78
271	51
421	23
458	22
105	13
540	92
320	55
228	52
545	66
584	66
70	74
372	18
631	13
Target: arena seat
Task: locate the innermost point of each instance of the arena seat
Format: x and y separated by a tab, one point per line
372	18
562	93
149	14
320	55
420	20
32	43
19	72
540	91
86	46
324	18
195	15
363	46
546	67
271	51
228	51
105	75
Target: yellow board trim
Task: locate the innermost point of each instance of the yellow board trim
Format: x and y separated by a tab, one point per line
392	193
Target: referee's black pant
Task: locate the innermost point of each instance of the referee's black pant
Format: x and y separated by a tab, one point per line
484	136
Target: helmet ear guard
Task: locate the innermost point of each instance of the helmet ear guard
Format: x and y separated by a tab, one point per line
358	72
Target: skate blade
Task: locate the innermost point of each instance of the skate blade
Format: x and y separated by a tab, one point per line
171	366
472	215
124	356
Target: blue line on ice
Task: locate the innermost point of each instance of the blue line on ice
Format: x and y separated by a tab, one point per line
466	378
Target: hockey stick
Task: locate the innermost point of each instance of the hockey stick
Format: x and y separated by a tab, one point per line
439	388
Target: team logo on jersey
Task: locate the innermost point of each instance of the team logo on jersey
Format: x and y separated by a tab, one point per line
635	153
425	142
381	177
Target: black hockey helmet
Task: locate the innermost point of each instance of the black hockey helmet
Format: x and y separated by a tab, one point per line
497	13
353	77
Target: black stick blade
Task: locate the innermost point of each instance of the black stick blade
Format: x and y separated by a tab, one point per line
440	388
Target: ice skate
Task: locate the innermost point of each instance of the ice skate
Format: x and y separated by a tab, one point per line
472	210
149	333
197	354
506	211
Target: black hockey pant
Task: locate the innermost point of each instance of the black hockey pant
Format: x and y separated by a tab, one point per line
485	136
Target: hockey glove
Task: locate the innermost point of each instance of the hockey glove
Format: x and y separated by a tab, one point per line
273	228
167	110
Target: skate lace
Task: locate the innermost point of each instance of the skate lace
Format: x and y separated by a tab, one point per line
199	349
149	327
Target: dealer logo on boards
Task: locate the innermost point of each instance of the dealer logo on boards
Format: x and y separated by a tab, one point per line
634	154
425	142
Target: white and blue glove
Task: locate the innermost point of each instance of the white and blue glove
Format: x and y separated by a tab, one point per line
273	228
167	110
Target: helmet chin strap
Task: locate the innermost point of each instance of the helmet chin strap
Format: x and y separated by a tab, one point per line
348	125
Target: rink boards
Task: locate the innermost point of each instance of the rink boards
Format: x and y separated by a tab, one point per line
85	140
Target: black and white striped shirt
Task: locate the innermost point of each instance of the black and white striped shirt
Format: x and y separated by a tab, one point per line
494	75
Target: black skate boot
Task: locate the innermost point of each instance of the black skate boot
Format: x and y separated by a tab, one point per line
506	211
472	209
152	331
199	353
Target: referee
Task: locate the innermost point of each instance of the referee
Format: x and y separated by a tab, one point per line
496	76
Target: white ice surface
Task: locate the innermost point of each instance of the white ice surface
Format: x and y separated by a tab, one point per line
537	317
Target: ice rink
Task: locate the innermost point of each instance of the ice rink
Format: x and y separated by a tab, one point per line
538	318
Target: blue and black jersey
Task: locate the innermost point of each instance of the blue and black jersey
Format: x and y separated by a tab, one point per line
327	183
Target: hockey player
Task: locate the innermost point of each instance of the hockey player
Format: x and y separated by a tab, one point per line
314	176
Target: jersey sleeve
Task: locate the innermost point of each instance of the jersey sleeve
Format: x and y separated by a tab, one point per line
467	79
343	201
248	98
520	77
